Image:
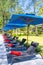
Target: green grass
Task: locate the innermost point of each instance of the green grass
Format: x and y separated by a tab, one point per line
38	39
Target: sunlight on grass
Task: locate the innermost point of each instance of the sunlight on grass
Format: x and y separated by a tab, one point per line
38	39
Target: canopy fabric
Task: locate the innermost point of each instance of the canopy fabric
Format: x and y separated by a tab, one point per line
8	28
21	20
26	19
17	21
13	26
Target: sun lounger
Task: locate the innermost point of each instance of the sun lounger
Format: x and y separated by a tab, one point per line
28	53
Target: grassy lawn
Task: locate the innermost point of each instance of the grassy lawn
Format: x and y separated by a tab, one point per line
38	39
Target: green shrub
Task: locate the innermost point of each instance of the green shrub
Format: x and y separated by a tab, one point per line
38	49
41	53
27	45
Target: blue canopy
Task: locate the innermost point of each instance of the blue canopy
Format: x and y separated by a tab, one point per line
13	26
26	19
21	20
8	28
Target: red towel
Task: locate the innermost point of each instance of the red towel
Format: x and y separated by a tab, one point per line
10	45
17	53
4	37
7	40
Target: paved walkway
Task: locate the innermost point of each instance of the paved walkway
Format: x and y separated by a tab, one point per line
3	56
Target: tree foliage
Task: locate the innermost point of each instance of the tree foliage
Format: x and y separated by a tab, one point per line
41	11
18	10
5	6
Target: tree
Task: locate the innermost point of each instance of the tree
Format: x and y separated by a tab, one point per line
18	10
5	6
0	22
40	11
3	10
36	3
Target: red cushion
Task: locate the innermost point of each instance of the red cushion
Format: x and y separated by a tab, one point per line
17	53
7	40
4	37
10	45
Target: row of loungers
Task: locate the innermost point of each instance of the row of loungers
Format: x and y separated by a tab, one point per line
15	44
17	55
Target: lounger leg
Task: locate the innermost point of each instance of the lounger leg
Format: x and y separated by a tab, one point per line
12	60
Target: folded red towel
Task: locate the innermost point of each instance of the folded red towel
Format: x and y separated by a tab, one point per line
10	45
7	40
17	53
4	37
